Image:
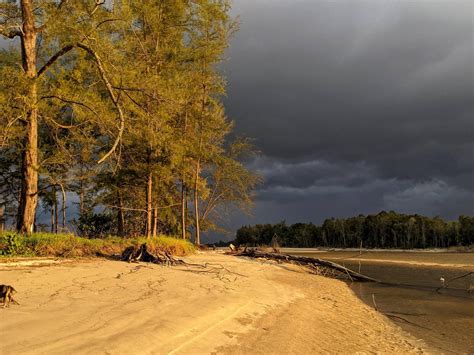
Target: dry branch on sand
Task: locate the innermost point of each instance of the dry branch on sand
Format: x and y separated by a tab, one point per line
325	267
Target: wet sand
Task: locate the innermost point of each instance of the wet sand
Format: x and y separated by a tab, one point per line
234	306
443	318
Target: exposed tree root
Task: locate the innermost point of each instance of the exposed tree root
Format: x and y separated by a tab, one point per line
141	253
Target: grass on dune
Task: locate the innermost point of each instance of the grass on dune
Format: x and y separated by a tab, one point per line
69	245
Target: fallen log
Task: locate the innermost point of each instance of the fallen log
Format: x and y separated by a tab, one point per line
141	253
305	261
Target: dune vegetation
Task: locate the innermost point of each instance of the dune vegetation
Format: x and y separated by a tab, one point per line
68	245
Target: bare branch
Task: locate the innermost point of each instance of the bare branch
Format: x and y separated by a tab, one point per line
142	209
112	96
61	125
96	6
105	80
70	102
55	57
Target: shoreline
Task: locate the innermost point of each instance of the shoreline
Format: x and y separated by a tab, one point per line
242	306
450	259
456	250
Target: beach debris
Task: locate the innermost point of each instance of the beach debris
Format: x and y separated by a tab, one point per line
373	300
232	247
320	265
445	283
141	253
6	295
275	244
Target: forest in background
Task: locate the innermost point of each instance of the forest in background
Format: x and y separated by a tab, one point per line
383	230
119	103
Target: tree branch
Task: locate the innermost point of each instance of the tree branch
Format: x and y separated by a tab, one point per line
55	57
70	102
112	97
10	33
105	80
98	3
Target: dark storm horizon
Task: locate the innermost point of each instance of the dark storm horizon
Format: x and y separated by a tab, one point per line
357	107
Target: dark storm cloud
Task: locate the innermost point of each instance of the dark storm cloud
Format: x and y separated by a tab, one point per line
357	105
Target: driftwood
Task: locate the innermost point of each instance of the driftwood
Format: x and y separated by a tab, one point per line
305	261
141	253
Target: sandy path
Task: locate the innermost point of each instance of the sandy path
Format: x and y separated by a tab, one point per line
107	307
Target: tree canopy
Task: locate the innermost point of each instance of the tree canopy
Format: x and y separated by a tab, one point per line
119	102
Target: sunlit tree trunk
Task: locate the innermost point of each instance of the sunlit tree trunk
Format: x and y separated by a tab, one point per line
2	219
184	200
63	207
52	218
120	215
183	210
81	190
29	164
55	203
149	195
155	221
197	240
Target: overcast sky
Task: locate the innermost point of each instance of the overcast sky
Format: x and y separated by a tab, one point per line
357	106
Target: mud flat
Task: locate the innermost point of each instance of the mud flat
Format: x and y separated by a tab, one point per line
233	306
444	318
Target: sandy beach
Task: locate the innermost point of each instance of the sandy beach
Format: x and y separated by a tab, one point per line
233	306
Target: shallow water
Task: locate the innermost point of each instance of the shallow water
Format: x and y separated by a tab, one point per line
443	318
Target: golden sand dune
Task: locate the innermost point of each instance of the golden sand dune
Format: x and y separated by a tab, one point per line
111	307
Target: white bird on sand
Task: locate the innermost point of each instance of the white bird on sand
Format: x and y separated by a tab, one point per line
442	280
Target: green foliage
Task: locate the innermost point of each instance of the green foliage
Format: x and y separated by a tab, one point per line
94	225
12	244
68	245
384	230
138	82
466	230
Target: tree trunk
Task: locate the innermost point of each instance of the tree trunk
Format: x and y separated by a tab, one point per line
184	200
29	165
155	221
63	207
197	239
120	216
149	195
52	218
183	210
52	210
81	190
2	219
55	202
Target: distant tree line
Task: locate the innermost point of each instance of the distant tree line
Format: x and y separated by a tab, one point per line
383	230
